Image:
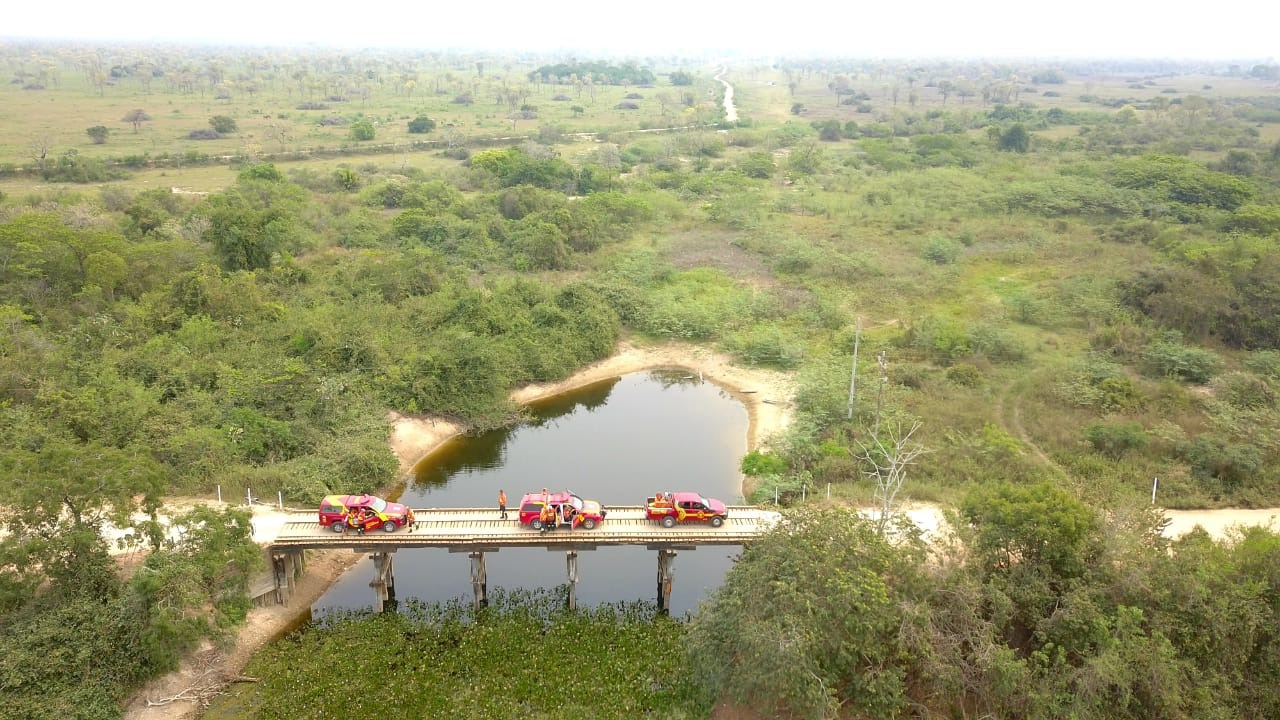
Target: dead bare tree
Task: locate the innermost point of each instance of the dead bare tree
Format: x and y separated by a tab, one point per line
40	145
888	457
280	133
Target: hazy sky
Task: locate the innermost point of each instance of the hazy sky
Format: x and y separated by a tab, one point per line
914	28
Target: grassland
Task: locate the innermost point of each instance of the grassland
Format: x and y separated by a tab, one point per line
57	93
888	201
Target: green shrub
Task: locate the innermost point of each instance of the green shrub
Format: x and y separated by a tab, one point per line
791	133
1114	440
1264	362
1101	385
787	489
421	124
765	346
1211	456
361	130
223	124
1244	390
1119	392
965	374
941	250
1170	358
757	463
758	165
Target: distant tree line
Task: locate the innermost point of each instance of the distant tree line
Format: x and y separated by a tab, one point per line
601	72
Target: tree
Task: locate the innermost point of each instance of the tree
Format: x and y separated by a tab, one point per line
830	131
840	86
253	221
888	459
1015	139
347	178
223	124
807	623
945	88
40	146
806	158
1032	525
541	245
98	133
66	490
421	125
680	77
136	118
362	130
758	165
665	100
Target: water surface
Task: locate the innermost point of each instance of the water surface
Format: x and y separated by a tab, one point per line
616	441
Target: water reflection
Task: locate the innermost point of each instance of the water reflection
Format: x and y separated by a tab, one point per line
488	450
615	441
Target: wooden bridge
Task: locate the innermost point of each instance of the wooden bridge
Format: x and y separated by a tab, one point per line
477	531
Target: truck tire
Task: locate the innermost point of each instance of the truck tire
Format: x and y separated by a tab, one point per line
669	521
717	521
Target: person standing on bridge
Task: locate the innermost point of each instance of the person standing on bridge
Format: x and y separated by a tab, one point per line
502	503
547	516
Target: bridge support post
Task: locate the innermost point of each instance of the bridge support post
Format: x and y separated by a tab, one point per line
666	558
479	580
571	565
279	577
293	569
286	568
384	582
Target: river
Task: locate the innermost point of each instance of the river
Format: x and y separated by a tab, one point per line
617	441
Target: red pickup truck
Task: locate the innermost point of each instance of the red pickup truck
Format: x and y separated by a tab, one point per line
670	508
566	510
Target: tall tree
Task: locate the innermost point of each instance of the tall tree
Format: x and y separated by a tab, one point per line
887	459
807	622
136	117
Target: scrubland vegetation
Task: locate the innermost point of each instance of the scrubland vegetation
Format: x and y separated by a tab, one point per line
1066	274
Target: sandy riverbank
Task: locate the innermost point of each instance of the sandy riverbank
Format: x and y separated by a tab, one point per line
765	394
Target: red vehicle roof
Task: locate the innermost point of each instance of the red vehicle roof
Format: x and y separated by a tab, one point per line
686	497
553	498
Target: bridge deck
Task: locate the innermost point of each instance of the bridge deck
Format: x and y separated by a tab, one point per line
468	529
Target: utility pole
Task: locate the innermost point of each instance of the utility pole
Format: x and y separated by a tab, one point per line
853	376
884	378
